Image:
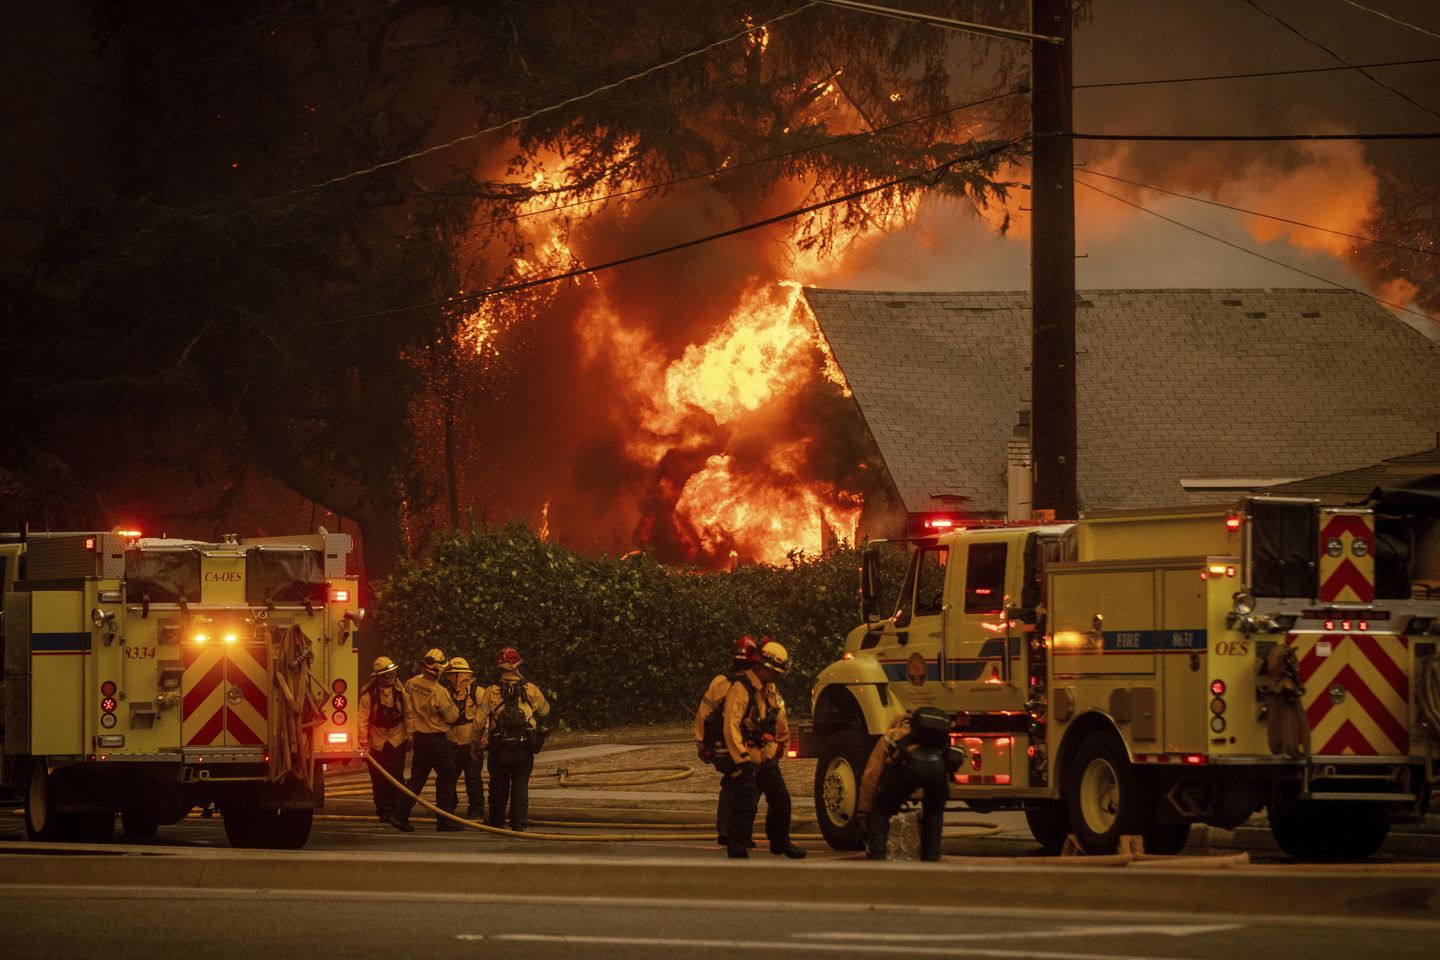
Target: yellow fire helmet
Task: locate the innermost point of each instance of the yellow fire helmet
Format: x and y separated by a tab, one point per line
775	657
459	665
434	660
382	666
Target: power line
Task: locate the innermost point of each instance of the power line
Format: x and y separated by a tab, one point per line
962	26
1257	213
604	88
1386	16
1253	253
1253	137
1257	74
1320	46
935	173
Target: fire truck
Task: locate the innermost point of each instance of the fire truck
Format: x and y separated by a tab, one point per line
1136	672
147	677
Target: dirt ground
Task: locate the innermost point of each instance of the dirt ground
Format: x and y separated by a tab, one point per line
667	745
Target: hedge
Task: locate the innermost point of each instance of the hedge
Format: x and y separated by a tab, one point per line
614	640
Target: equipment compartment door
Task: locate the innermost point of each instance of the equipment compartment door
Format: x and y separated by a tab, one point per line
1357	692
226	703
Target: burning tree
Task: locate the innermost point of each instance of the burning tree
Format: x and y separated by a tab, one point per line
284	243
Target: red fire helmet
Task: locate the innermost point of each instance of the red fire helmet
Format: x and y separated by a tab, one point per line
509	657
747	651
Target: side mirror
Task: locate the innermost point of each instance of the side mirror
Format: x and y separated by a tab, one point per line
869	585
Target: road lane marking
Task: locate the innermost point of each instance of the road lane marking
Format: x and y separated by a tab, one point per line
1068	931
872	949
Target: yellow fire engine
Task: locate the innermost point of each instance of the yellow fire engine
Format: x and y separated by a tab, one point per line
1136	672
146	677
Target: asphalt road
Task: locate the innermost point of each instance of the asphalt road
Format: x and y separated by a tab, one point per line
119	923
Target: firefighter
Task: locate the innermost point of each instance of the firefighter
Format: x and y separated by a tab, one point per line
509	709
386	730
434	711
913	754
709	733
756	732
464	735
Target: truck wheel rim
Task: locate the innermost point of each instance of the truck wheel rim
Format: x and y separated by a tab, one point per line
1100	795
840	792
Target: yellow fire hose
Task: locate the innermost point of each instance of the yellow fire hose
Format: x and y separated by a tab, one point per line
985	829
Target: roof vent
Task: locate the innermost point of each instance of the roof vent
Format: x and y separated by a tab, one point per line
897	304
1311	315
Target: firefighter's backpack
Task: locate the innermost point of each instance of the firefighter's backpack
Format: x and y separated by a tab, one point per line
714	731
512	728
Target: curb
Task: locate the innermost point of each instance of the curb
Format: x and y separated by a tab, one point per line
1376	891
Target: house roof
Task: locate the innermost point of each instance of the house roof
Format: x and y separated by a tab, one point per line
1172	384
1351	486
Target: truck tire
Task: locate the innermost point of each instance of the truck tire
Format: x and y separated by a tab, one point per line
42	822
1103	796
1329	830
837	788
1049	824
288	829
243	825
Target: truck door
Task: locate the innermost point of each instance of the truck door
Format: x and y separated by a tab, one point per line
907	645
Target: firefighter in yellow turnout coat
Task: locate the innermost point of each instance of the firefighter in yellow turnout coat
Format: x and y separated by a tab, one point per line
756	732
386	727
464	735
913	754
434	711
709	729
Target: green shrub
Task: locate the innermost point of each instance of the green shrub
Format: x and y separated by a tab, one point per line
614	640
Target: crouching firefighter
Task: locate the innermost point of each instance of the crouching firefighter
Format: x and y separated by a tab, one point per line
710	733
510	710
756	732
914	754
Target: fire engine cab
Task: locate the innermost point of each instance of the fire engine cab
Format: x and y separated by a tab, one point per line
1133	673
145	677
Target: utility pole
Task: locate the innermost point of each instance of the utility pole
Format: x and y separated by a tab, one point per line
1052	264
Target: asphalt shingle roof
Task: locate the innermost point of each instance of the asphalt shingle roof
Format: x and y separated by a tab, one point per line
1171	384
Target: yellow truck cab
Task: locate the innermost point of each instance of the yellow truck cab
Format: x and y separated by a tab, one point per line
1136	672
145	677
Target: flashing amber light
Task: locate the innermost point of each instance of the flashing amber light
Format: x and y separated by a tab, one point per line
339	596
201	638
1232	522
1195	759
130	534
1217	687
230	638
89	543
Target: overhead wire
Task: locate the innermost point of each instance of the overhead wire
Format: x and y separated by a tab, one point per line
935	172
1254	253
1382	14
1256	213
1257	74
1255	137
1320	46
